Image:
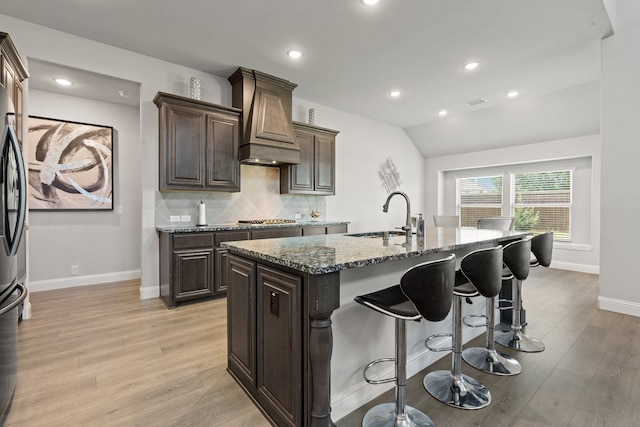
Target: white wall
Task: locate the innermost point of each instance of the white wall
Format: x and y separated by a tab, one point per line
582	256
104	245
619	290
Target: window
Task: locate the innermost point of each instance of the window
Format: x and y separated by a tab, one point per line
478	197
542	201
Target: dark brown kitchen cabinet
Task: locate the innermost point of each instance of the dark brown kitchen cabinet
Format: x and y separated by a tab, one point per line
318	230
220	267
241	320
337	229
186	267
315	174
198	145
264	337
279	335
272	233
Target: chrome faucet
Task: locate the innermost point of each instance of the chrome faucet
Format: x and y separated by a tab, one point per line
407	226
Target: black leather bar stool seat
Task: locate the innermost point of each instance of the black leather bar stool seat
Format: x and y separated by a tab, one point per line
425	291
542	249
486	274
453	387
517	258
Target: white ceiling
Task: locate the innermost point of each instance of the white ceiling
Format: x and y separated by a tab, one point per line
354	55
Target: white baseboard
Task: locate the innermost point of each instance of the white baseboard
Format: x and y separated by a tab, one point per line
347	401
619	306
73	281
571	266
148	293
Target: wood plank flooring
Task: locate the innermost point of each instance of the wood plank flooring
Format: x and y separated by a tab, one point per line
589	374
100	356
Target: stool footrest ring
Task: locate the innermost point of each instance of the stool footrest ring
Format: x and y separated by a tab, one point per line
506	307
375	362
476	316
431	337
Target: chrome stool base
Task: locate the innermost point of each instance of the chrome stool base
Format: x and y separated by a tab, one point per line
385	415
491	361
461	392
519	341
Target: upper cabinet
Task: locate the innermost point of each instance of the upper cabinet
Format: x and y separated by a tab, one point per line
12	73
198	145
315	174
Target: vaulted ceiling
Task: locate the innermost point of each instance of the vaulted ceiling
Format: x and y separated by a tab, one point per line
353	55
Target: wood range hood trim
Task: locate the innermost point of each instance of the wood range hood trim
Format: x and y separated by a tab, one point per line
267	135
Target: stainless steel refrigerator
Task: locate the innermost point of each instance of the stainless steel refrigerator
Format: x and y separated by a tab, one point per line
13	205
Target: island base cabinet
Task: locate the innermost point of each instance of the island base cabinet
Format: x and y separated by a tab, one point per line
241	320
264	337
279	352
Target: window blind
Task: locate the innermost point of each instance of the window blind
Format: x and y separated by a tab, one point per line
478	197
542	201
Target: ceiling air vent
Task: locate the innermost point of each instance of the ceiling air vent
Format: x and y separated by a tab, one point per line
474	102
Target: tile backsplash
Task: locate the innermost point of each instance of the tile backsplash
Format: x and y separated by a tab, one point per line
259	198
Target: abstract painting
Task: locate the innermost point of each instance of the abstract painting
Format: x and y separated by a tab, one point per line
70	165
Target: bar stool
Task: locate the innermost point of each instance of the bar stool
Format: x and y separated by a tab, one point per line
425	291
485	272
542	248
453	387
517	258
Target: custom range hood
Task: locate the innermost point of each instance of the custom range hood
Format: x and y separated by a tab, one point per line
267	136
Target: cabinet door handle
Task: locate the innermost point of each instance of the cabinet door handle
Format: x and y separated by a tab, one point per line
274	303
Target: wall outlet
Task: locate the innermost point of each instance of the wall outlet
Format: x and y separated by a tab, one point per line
74	270
297	216
185	218
120	210
174	218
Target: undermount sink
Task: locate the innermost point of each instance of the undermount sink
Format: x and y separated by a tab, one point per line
378	234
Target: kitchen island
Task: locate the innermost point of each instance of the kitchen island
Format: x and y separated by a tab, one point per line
285	294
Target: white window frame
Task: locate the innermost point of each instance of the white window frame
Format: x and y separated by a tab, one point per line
513	204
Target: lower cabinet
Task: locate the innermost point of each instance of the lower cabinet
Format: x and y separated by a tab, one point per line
318	230
220	265
194	265
265	350
241	320
186	267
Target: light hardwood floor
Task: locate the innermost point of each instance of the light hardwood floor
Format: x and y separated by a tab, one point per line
589	374
99	356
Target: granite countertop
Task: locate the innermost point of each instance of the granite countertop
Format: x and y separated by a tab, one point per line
235	226
335	252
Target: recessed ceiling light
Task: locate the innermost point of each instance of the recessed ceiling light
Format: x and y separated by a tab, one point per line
124	94
62	82
442	113
513	94
394	93
370	2
471	65
294	54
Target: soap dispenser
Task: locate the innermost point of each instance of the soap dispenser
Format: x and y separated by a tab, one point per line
420	226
